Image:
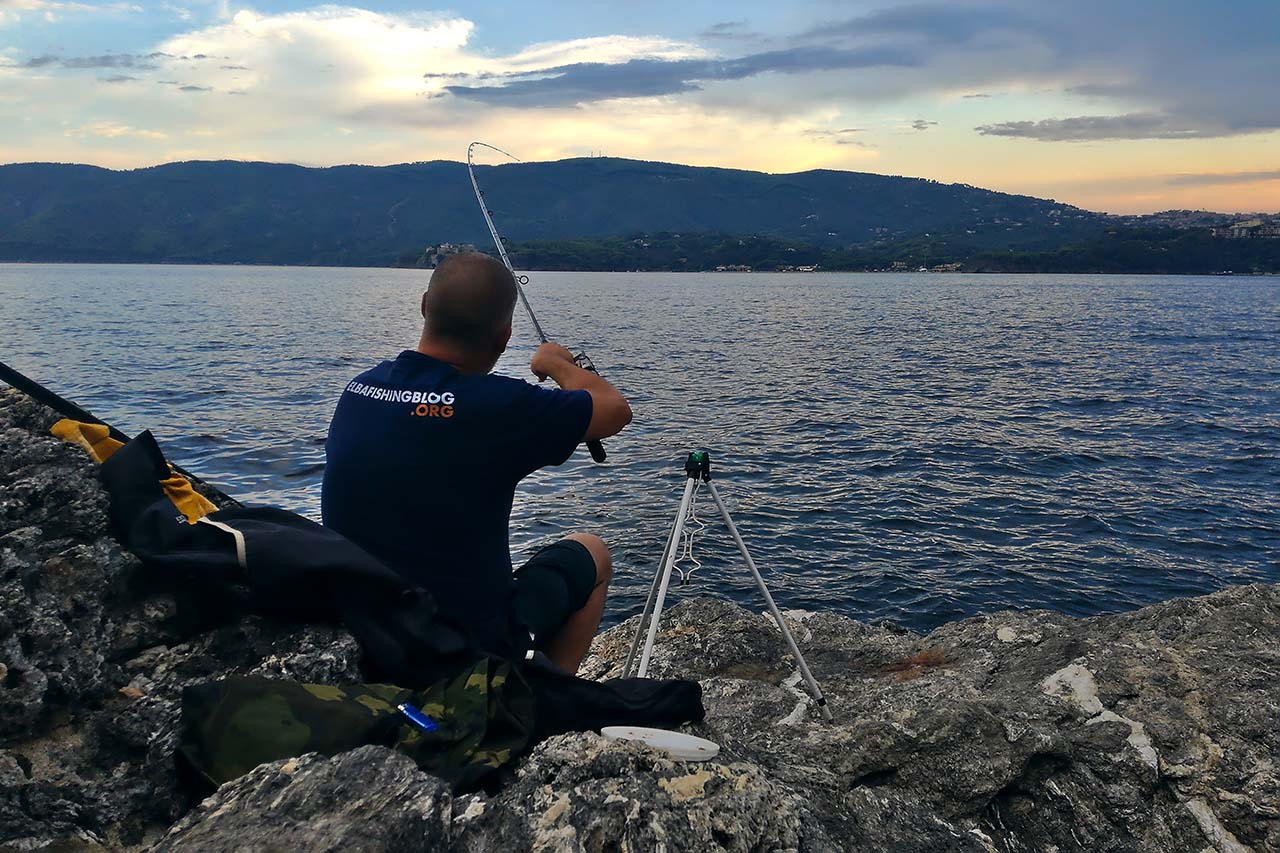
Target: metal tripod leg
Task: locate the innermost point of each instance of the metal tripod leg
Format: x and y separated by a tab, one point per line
653	593
773	608
664	576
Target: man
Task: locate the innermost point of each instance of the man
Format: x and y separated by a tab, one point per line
424	454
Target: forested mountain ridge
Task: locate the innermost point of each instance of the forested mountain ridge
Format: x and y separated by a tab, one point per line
246	212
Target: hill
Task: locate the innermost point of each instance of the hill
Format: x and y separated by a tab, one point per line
242	212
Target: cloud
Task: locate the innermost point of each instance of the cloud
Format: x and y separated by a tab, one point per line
1093	128
37	5
388	68
1092	48
841	136
933	24
115	130
144	62
375	56
1102	90
585	82
109	60
65	6
921	124
50	10
118	78
182	13
728	30
1219	178
1174	69
190	88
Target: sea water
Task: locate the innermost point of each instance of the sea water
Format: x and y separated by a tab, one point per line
912	447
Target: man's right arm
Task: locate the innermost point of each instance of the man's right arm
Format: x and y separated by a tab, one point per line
610	411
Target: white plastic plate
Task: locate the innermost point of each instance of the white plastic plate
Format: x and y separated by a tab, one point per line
676	744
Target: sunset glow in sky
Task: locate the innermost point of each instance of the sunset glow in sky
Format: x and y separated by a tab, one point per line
1108	104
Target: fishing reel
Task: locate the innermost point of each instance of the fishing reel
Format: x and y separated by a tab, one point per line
593	446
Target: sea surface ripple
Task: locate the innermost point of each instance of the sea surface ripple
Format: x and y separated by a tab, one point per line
916	448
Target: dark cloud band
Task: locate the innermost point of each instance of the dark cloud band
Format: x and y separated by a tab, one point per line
131	61
585	82
1218	178
1089	128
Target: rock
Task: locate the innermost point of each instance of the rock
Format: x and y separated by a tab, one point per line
93	658
583	791
1154	730
743	645
367	799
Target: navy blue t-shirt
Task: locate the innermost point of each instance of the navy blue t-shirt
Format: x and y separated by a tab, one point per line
422	466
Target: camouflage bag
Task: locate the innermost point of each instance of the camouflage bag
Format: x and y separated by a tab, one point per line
485	716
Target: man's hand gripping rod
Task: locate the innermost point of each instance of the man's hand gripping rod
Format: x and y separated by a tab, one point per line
581	359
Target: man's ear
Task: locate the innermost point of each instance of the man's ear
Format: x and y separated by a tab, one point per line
424	305
504	337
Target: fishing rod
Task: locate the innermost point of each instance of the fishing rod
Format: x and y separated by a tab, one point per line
68	409
581	359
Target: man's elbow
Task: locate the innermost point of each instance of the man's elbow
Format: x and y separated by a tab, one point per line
619	416
610	419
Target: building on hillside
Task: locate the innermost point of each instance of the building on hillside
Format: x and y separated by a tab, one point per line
1248	229
432	257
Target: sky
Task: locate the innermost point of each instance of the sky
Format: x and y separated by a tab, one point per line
1127	106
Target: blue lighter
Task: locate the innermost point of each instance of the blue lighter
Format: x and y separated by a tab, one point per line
418	718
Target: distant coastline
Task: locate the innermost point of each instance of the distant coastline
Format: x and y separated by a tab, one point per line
821	271
1119	250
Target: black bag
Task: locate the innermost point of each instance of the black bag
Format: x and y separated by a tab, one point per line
297	569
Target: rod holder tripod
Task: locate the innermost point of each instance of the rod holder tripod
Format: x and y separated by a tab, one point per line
697	469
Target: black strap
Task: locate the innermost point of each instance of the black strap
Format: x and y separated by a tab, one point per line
68	409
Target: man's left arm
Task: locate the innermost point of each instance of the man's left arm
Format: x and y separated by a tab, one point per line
610	411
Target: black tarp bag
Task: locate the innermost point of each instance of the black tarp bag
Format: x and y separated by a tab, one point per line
290	567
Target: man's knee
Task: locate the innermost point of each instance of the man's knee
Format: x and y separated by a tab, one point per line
599	552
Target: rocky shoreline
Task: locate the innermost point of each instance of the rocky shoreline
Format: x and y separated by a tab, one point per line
1155	730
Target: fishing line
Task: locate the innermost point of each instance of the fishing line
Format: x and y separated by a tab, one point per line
498	239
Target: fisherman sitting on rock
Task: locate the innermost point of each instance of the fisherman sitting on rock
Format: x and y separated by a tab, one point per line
425	452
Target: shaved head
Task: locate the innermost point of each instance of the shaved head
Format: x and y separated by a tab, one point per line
469	301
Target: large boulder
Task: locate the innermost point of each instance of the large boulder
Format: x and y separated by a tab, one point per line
1152	730
367	799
